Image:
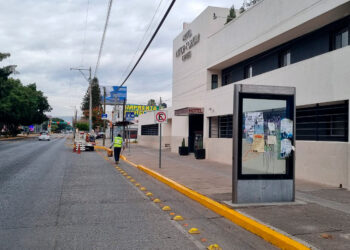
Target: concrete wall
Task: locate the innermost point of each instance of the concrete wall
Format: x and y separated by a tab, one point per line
153	141
323	162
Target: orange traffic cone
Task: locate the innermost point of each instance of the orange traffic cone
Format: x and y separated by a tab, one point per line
78	149
74	148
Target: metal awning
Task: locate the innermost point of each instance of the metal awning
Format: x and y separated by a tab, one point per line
189	111
123	123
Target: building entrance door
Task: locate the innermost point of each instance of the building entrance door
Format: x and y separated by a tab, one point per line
195	129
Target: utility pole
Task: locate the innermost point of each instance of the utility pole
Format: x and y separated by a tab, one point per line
160	136
124	120
89	80
90	103
104	111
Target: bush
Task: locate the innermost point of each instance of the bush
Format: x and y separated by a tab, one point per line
82	126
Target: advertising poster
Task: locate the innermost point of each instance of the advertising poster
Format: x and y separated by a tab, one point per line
258	144
254	124
286	148
286	128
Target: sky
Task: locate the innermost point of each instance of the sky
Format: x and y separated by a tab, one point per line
47	38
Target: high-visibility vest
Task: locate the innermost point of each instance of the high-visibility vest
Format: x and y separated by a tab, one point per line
118	142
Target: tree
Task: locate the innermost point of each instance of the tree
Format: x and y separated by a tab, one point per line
151	102
19	104
82	126
96	104
96	96
58	124
231	15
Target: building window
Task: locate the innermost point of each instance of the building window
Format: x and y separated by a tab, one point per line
213	127
149	129
341	38
323	122
220	126
225	126
248	71
284	58
214	81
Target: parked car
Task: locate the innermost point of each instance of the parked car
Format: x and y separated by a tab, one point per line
44	137
100	135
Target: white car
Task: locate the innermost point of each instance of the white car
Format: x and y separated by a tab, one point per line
44	137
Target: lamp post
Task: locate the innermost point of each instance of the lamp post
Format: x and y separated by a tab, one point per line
90	92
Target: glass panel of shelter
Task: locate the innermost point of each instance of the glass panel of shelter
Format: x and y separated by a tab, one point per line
262	152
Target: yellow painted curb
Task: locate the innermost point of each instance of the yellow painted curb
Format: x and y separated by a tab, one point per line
108	150
270	235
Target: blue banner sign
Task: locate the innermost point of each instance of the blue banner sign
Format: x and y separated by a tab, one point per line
114	94
130	116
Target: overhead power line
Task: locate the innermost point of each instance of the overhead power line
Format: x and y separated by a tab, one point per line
150	41
103	36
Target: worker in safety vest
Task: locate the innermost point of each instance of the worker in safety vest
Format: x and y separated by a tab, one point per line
117	144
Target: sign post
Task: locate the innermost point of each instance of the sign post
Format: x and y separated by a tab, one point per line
160	117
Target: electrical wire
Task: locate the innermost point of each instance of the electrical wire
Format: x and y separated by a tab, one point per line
149	43
103	36
141	41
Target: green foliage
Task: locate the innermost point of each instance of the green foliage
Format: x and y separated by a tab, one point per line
96	104
82	126
232	14
19	104
151	102
96	94
62	125
241	10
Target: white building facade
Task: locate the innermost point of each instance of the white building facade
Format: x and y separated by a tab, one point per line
302	44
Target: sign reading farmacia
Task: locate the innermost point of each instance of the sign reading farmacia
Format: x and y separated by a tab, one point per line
190	42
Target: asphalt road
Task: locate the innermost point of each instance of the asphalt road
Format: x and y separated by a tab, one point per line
51	198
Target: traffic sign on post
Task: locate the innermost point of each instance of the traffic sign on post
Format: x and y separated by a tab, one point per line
161	116
130	116
104	116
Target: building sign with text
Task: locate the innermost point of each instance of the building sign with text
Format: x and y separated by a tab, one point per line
140	109
190	41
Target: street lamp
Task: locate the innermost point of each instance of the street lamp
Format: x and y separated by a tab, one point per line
90	92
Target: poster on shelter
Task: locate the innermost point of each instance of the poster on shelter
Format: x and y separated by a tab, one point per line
286	128
254	124
271	139
286	148
258	144
271	126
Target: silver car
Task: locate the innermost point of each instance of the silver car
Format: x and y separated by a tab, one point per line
44	137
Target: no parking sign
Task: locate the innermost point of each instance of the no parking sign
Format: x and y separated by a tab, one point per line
161	116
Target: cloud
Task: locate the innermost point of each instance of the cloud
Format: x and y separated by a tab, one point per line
46	38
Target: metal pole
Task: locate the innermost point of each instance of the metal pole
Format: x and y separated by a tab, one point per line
90	103
124	120
129	138
104	111
160	145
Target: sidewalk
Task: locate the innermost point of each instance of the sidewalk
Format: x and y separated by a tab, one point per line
321	215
